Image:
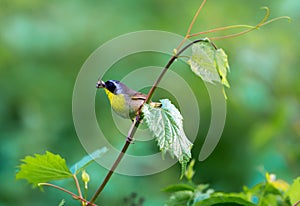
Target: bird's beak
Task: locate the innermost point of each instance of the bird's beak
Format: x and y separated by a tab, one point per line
100	84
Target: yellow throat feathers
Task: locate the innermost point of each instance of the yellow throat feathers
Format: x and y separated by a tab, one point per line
118	102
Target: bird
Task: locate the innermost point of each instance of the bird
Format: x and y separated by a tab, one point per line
124	101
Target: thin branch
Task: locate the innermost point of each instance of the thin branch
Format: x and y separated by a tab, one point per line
221	29
66	191
249	30
173	58
78	188
195	17
136	122
129	139
191	25
232	35
275	19
263	22
266	16
297	203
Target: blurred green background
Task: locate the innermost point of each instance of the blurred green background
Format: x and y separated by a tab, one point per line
43	45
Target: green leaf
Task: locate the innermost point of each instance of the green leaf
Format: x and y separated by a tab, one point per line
223	199
43	168
203	62
179	187
209	63
202	187
272	199
86	160
293	192
277	186
180	198
222	65
166	125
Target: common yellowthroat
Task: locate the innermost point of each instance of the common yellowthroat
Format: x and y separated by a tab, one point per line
124	101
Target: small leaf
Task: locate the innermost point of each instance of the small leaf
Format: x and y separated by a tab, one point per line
86	160
293	192
202	187
222	65
278	184
167	127
224	199
43	168
209	63
203	62
179	187
180	198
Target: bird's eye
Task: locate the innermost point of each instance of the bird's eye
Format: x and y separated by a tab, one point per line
110	86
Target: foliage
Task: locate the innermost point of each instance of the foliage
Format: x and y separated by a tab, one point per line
43	168
48	167
166	125
293	191
269	192
209	63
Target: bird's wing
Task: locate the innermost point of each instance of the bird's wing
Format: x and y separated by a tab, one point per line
138	96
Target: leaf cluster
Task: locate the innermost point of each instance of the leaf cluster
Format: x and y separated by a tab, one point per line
166	125
166	122
271	191
41	169
209	63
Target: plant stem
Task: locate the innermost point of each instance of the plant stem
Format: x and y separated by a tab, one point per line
78	188
173	58
263	22
221	29
137	121
191	25
297	203
262	195
68	192
129	139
